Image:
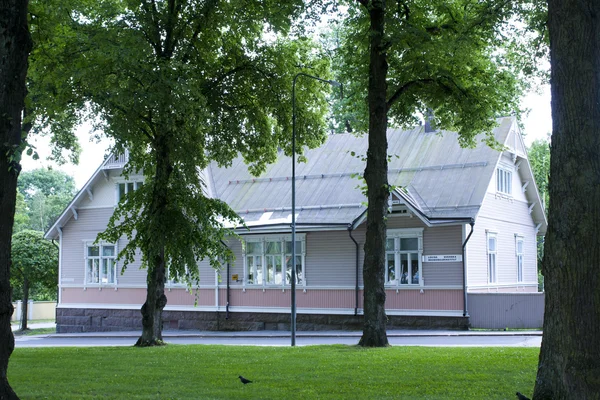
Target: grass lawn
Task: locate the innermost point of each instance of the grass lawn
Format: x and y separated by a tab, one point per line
312	372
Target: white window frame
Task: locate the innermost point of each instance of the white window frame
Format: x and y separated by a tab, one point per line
520	256
396	235
137	183
170	282
300	237
504	180
492	257
100	257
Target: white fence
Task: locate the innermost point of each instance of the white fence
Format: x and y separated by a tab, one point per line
35	310
506	310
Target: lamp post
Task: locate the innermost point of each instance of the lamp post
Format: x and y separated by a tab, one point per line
293	277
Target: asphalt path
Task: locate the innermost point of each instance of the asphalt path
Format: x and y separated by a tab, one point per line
437	340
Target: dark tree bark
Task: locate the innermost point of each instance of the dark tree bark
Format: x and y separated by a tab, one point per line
569	364
374	333
156	300
25	304
15	44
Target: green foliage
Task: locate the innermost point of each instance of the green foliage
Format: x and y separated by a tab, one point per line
37	259
539	159
323	372
180	84
456	58
21	217
46	193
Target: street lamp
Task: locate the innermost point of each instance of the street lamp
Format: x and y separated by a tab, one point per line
293	277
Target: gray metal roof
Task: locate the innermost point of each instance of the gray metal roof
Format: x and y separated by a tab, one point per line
431	171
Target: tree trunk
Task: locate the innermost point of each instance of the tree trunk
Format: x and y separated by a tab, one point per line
374	334
25	306
152	323
569	364
15	44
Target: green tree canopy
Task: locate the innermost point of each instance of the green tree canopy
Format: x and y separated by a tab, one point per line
179	84
539	158
46	193
398	60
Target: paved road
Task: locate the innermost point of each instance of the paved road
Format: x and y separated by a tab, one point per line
422	338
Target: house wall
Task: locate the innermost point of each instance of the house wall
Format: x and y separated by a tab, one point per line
508	217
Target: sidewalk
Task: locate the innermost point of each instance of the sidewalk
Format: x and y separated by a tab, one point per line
34	325
284	334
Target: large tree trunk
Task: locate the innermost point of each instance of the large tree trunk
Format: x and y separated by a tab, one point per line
15	44
152	323
374	334
569	364
25	304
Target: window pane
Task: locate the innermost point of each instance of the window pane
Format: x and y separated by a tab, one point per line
93	251
288	247
389	244
519	246
108	251
288	270
259	270
139	185
250	266
254	247
273	248
414	261
391	268
278	270
270	269
404	269
121	191
130	187
492	243
520	268
409	244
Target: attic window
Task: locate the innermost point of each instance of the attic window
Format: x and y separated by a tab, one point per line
126	187
504	180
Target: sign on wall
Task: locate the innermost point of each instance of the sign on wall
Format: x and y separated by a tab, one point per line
444	258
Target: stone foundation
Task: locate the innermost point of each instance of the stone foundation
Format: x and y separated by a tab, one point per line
74	320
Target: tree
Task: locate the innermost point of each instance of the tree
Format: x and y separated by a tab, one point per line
179	84
21	217
15	44
451	57
539	158
35	267
569	364
46	192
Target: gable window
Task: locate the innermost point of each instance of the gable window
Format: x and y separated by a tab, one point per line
519	253
268	260
492	251
126	187
100	264
404	253
504	180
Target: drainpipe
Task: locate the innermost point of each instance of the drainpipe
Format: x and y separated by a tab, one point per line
464	262
357	253
227	304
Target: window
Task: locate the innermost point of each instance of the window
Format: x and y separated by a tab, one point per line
519	254
403	252
126	187
504	181
101	263
492	250
268	260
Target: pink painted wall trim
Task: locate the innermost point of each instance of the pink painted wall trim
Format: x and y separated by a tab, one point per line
317	299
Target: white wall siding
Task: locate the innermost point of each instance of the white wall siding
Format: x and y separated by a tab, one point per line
506	218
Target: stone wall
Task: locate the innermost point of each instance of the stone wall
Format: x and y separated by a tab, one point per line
72	320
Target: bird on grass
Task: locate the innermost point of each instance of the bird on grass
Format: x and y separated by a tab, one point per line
244	380
521	396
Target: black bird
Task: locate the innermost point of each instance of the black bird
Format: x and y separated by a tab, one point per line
519	396
244	380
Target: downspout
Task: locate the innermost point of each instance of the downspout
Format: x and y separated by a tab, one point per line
357	254
464	262
227	304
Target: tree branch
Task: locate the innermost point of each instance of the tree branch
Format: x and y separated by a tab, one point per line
404	88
